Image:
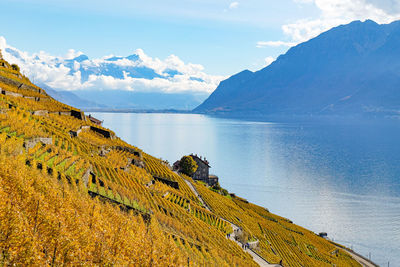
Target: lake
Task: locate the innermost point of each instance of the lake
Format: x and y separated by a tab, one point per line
339	177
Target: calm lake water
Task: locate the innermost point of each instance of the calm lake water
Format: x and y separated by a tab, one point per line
340	178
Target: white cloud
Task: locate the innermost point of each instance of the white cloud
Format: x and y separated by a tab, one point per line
336	12
178	84
55	72
269	60
234	5
3	42
73	54
262	44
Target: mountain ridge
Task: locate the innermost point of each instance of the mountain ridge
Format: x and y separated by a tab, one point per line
170	82
335	73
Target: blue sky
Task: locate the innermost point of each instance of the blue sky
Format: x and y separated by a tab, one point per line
222	37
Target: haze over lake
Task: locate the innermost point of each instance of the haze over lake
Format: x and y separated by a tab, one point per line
340	178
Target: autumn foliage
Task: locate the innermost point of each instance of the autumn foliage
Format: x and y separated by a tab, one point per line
44	222
187	165
70	195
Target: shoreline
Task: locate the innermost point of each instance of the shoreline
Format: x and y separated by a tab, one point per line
364	261
346	119
158	112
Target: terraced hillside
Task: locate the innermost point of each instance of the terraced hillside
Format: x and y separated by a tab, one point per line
72	192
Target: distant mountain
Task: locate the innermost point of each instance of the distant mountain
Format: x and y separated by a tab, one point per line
71	99
116	67
135	81
120	99
352	69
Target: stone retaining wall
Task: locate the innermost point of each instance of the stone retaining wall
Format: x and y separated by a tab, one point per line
40	112
21	85
105	133
4	92
30	143
78	114
130	150
167	182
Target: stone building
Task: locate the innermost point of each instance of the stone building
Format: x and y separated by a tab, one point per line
212	179
202	172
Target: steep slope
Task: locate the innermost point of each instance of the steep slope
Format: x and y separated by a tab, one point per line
73	193
350	69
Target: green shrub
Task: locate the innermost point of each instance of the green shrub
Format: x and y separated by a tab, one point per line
224	192
216	187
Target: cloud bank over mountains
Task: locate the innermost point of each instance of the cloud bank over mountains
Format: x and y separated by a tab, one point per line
336	12
135	73
333	13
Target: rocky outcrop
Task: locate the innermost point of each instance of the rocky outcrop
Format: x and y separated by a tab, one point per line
86	176
31	142
104	151
137	162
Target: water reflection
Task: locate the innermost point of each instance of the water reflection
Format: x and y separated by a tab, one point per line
341	178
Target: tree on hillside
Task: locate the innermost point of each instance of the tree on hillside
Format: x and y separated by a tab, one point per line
187	165
15	67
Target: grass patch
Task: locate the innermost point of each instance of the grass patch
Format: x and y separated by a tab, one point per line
5	129
42	156
71	170
62	163
50	162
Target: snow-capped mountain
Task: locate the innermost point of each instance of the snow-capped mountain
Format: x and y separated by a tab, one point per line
117	81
